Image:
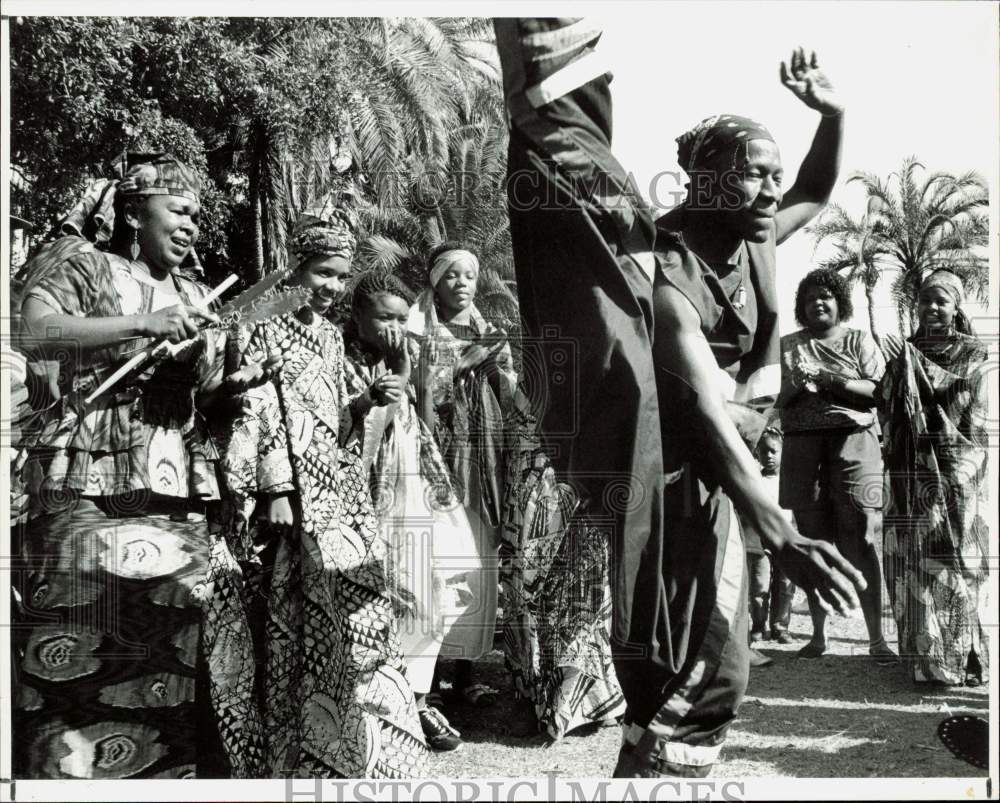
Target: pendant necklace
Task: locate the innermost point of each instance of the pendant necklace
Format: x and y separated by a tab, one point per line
739	298
740	301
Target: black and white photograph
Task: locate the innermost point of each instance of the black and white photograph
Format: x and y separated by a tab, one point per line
422	401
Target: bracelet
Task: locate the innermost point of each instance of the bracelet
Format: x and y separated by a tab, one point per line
835	114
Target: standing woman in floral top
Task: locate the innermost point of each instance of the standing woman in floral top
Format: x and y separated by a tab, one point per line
130	651
464	378
831	470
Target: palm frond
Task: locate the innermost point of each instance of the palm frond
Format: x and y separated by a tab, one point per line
378	145
381	253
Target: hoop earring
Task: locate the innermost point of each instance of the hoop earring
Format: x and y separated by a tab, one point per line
134	248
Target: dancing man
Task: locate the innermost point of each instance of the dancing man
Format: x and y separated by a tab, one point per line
583	245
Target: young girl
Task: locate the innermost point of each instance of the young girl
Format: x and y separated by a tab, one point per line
336	698
774	606
464	377
432	552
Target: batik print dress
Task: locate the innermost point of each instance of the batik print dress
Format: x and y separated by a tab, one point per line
468	401
556	588
130	643
336	698
936	544
432	559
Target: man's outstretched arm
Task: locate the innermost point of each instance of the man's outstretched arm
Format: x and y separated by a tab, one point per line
681	349
819	170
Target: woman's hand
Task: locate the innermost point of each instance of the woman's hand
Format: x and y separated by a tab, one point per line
397	357
280	515
812	378
809	83
177	324
827	380
475	354
428	356
253	374
387	389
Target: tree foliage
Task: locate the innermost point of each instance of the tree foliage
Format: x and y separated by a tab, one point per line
275	112
915	223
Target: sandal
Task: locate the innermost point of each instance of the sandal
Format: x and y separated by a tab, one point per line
883	654
480	695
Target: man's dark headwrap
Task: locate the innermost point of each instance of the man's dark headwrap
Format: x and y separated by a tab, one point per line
714	135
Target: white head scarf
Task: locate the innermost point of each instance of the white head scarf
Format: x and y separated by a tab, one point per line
423	315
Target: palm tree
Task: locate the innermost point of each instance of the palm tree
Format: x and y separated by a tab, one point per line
860	252
384	92
925	223
465	201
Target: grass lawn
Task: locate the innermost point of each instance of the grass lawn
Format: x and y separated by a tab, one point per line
836	716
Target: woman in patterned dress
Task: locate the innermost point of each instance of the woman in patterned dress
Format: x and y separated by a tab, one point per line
464	377
557	597
936	543
130	648
336	699
432	551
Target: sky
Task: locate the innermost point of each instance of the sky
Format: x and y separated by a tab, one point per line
916	78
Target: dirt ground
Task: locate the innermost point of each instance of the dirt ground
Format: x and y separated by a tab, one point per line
837	716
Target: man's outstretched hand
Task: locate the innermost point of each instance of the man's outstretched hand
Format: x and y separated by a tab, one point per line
822	572
807	81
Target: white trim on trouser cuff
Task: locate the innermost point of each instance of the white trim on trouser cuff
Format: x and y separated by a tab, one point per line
562	82
693	755
727	601
555	43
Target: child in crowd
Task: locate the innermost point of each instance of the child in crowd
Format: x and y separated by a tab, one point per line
432	556
771	592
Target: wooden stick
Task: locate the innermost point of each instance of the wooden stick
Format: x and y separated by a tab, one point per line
112	380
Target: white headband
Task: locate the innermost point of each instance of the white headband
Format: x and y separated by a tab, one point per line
448	259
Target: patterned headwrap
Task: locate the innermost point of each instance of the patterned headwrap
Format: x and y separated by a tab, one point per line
947	281
93	215
135	174
714	135
159	174
448	259
325	232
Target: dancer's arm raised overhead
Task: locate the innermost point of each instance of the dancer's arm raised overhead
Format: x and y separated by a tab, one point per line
821	165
